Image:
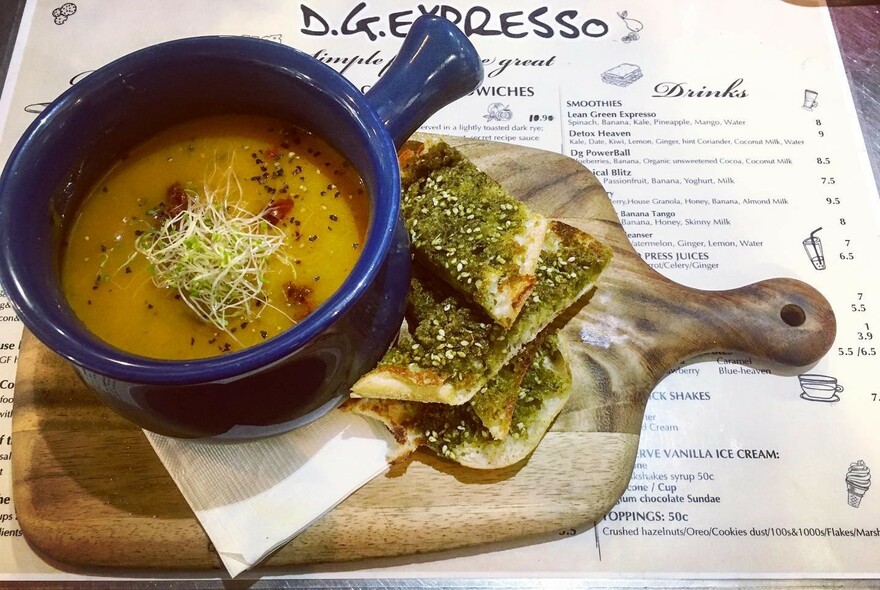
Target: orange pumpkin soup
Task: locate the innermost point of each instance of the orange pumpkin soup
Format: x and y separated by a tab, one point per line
213	236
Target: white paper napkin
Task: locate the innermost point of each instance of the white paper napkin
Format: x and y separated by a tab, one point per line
252	497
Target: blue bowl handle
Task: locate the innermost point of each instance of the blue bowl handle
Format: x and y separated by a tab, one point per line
436	65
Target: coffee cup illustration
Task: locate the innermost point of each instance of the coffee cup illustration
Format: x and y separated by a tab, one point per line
810	101
819	388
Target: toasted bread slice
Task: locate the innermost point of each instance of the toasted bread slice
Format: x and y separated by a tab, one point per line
452	347
468	229
495	402
457	433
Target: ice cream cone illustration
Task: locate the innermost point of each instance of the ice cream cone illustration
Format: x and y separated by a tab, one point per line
858	480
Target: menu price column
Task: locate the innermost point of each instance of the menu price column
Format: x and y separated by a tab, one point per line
849	259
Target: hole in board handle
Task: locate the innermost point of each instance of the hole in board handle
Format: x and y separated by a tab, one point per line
793	315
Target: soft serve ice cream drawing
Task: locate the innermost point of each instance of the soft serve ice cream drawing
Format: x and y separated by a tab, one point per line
858	480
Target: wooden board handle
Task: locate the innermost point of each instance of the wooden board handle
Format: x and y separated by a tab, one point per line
781	320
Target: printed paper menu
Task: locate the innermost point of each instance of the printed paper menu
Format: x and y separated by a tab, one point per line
727	140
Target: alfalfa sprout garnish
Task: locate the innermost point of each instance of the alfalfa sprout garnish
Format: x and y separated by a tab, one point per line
215	254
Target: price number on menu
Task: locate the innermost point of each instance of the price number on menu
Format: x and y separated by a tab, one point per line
856	351
859	305
829	180
864	337
536	118
847	252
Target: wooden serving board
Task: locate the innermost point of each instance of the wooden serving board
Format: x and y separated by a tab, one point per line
89	490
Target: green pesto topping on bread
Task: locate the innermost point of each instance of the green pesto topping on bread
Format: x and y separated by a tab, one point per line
541	395
543	380
494	403
457	432
570	260
450	336
444	428
469	230
452	348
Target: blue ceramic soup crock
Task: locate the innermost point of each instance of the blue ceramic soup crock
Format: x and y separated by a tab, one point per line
303	373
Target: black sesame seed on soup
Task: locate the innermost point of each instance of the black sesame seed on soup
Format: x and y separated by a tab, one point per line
212	236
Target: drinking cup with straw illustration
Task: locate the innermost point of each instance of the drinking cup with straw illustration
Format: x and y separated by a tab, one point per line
813	246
